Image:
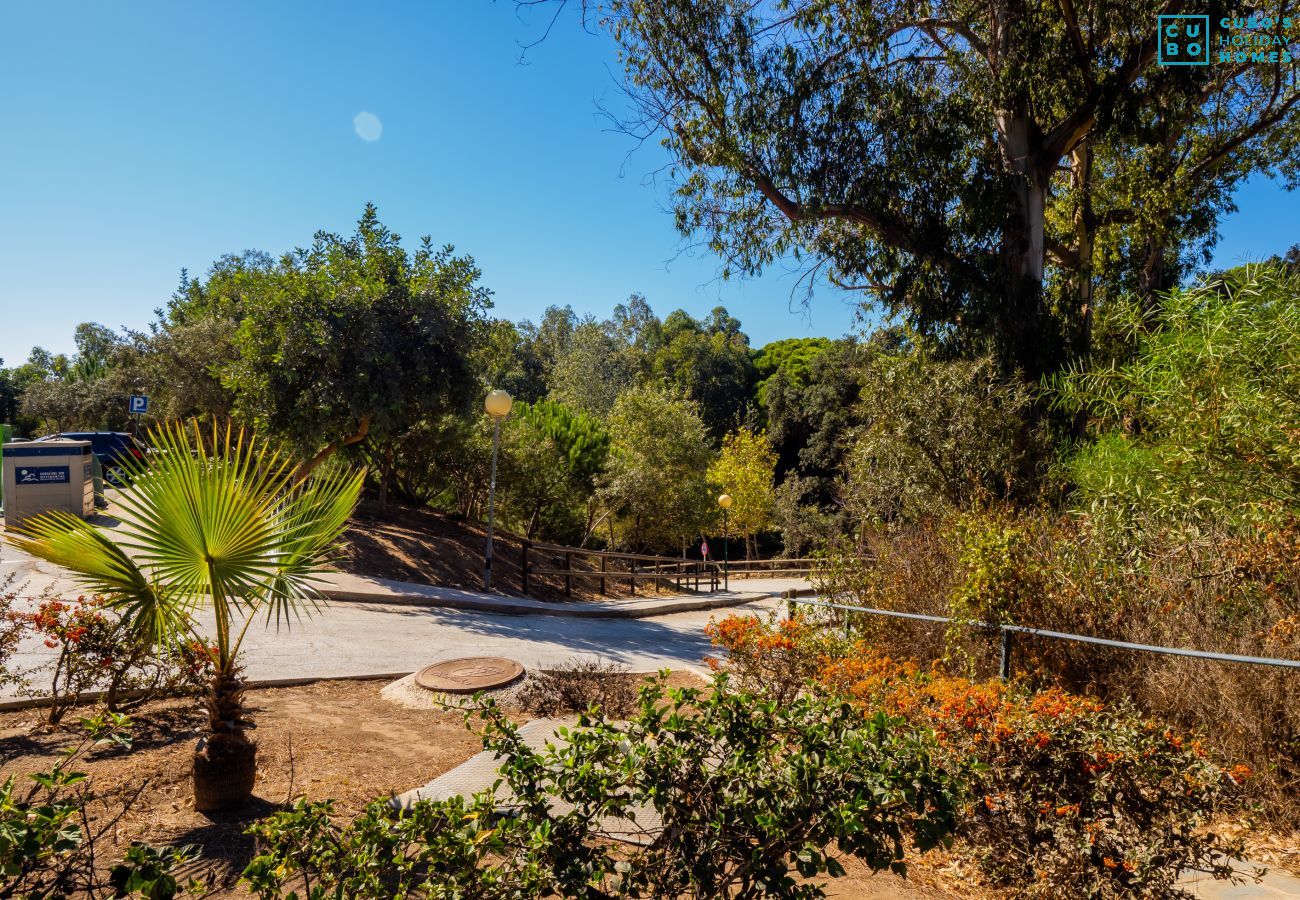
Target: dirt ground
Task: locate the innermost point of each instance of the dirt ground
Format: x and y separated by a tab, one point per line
329	739
336	739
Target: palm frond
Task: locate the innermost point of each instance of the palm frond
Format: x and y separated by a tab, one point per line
100	566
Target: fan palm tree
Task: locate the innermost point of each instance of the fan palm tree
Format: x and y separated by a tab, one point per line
215	520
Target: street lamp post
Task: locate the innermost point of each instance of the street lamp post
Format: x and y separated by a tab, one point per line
497	404
725	502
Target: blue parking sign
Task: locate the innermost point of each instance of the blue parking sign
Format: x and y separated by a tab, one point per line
139	405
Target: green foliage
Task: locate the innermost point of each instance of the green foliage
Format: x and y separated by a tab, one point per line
352	336
744	469
792	357
146	871
654	483
938	435
1199	424
49	839
594	368
551	457
750	793
707	361
505	359
811	415
179	364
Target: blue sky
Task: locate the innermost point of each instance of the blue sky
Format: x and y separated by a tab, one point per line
142	138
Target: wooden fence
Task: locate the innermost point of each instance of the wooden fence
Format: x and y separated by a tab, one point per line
774	568
604	567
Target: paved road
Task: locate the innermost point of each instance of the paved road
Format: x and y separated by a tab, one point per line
362	639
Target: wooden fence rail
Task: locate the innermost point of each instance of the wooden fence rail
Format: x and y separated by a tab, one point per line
603	566
775	567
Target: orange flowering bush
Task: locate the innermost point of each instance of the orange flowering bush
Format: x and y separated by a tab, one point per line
773	657
96	653
1065	792
1066	796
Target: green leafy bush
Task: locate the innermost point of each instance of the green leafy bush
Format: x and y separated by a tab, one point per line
938	435
750	793
48	841
1199	426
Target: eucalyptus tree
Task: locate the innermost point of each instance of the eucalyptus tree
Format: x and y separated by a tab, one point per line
918	152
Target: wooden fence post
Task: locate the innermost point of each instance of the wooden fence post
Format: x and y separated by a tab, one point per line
603	593
524	565
568	576
631	569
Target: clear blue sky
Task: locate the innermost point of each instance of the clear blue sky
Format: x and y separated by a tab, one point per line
141	138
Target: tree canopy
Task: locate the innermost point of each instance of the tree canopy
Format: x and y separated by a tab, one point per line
961	164
347	337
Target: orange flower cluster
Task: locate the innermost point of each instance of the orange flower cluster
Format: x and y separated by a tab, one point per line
960	711
62	622
750	634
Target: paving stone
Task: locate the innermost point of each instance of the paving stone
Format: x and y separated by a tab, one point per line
1275	884
479	773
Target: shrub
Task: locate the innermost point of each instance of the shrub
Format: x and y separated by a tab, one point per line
1068	795
48	842
12	628
1213	590
97	651
577	685
770	657
1199	426
749	791
938	434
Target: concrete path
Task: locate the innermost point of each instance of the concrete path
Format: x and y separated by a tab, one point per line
364	589
353	639
480	772
1276	884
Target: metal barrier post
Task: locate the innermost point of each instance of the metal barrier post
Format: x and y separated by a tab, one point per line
1004	659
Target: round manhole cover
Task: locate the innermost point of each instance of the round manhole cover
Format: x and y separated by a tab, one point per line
470	674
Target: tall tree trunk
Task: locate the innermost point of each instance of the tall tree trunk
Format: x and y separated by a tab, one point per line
1156	274
385	475
1023	323
1085	232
